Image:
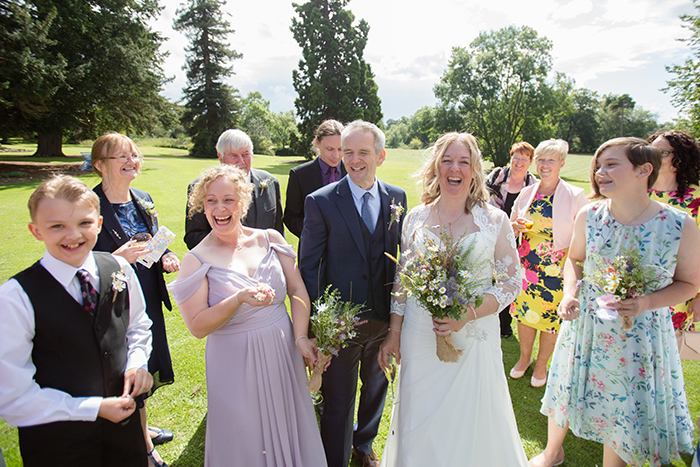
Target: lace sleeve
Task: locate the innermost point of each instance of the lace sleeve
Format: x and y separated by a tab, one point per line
414	219
507	282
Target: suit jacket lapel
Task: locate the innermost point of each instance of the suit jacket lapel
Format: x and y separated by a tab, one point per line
257	198
346	207
145	215
316	180
110	221
386	213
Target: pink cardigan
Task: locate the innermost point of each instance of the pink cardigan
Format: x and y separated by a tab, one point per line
568	200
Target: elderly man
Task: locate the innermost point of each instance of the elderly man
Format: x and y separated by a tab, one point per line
265	212
347	229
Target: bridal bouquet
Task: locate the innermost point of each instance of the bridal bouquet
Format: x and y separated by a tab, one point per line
333	324
441	281
621	278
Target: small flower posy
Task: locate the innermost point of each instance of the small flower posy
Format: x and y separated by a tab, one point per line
396	212
118	282
148	206
264	184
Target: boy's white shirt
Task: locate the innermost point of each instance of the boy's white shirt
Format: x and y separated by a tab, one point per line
22	401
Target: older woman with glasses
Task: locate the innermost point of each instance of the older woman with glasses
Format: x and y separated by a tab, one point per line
543	215
677	186
504	185
129	220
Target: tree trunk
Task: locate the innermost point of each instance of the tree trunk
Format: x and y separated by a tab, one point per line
50	145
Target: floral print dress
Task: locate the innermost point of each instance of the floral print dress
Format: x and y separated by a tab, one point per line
624	389
542	268
690	202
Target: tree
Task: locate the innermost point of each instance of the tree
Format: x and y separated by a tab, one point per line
685	87
619	116
498	86
333	80
257	121
211	105
91	65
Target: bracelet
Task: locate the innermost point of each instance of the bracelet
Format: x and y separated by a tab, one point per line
236	297
300	337
395	330
469	307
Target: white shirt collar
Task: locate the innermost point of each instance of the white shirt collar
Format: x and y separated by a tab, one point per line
64	273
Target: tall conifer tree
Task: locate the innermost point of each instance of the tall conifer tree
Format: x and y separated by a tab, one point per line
333	80
211	105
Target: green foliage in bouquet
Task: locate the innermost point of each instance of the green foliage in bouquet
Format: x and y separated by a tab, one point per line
334	321
625	276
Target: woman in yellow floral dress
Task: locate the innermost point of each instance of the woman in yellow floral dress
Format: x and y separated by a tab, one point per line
677	186
543	215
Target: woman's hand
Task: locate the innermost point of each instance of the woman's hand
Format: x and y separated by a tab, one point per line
259	295
171	262
390	346
443	327
521	225
308	350
568	308
694	309
631	306
131	251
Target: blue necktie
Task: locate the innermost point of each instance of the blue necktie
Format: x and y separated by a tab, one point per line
89	293
366	214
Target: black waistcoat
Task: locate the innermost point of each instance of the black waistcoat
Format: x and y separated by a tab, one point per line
74	351
374	252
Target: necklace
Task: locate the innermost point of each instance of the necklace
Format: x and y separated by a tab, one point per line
633	220
449	224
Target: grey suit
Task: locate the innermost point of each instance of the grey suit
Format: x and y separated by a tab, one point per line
265	211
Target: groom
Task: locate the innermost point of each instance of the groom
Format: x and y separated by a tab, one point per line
348	227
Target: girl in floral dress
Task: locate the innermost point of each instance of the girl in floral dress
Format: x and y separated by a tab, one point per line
677	186
623	388
543	214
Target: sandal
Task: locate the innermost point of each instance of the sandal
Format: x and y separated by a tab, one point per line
153	459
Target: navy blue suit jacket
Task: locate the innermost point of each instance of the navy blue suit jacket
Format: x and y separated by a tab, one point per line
331	245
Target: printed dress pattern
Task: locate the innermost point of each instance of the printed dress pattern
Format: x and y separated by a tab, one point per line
621	388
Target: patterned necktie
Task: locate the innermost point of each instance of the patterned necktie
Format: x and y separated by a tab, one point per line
331	179
366	214
89	292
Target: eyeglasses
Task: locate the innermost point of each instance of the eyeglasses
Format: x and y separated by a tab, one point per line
665	154
124	158
520	159
546	161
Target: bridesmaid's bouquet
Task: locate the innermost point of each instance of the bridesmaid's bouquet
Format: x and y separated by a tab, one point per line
625	276
441	280
333	324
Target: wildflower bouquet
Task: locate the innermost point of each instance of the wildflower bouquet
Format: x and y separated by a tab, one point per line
441	281
333	324
626	276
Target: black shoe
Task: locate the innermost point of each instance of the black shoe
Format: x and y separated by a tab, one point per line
163	435
506	335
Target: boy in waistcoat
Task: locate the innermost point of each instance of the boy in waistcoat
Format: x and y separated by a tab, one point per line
74	340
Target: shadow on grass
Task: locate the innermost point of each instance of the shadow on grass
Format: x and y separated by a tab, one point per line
193	454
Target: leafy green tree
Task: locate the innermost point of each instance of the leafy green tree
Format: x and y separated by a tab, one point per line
685	87
620	116
211	105
284	127
498	86
333	80
257	121
91	65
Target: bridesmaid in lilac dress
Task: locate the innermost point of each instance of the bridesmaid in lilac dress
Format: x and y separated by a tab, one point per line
231	288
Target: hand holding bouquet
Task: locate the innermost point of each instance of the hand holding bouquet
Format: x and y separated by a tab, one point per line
624	277
441	281
333	324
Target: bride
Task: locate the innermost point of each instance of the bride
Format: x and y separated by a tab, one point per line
454	413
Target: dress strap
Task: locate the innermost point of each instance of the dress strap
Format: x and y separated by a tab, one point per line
196	256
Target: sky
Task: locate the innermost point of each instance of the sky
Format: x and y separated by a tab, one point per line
609	46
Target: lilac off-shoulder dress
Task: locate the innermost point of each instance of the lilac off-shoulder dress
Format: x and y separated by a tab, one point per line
259	409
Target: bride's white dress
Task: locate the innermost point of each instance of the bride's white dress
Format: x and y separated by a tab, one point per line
457	414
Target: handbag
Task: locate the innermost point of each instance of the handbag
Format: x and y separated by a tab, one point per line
688	343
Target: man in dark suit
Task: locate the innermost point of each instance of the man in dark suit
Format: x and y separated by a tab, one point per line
310	176
347	229
265	212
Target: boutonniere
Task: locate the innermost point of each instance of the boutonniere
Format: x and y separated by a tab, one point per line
264	184
396	213
118	283
149	207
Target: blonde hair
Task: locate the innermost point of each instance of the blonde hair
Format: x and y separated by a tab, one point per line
557	147
244	189
108	144
430	172
63	187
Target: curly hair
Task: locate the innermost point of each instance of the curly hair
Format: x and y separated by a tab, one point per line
430	172
686	157
244	189
638	152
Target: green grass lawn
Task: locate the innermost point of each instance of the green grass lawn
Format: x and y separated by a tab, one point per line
182	406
